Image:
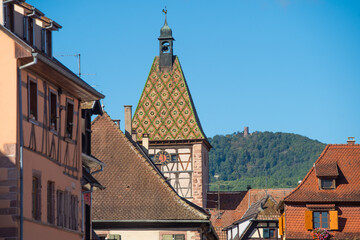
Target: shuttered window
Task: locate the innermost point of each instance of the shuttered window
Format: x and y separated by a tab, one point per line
321	219
282	224
51	202
67	210
173	237
32	99
69	118
36	198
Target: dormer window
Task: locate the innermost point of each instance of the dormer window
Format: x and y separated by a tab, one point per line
8	16
46	41
28	30
327	183
327	173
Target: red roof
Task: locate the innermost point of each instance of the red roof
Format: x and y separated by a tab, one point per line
233	205
347	159
135	190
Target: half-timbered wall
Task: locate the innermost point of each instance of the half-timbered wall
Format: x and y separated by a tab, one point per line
50	152
187	170
179	169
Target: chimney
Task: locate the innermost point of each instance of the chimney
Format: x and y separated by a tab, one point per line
133	135
246	131
145	141
351	140
128	115
117	122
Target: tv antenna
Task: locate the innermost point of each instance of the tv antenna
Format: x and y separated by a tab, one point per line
78	56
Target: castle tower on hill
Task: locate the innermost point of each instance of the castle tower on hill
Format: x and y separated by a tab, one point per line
166	113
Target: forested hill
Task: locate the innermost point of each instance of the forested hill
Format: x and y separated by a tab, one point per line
260	160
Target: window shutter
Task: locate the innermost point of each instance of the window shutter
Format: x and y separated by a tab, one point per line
334	220
115	236
43	39
308	220
266	233
281	225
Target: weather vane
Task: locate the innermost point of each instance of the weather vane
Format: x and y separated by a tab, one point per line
165	10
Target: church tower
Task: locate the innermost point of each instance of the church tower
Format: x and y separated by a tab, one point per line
166	114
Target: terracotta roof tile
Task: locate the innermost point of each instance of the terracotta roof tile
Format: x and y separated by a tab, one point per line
135	189
326	169
235	204
347	159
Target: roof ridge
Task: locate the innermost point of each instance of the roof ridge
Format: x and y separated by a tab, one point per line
160	176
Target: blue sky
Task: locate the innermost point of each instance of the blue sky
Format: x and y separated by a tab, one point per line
272	65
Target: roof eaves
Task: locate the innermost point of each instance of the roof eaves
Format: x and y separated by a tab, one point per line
58	66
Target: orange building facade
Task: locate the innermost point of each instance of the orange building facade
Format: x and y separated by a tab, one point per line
40	140
327	198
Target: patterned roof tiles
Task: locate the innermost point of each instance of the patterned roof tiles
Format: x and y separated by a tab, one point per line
347	158
165	110
135	189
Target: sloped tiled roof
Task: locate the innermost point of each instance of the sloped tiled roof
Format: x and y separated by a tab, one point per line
165	110
235	204
326	169
135	189
347	159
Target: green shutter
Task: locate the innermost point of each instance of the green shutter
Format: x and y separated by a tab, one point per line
114	236
266	233
167	237
179	237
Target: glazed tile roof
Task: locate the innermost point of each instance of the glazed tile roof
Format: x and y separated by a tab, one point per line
347	159
165	110
135	189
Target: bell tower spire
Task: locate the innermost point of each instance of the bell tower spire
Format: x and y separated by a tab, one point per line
166	45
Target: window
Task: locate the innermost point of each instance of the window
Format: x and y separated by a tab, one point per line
327	183
28	30
67	210
53	110
46	41
74	213
269	233
151	156
173	157
114	237
321	219
69	118
60	208
51	202
36	198
173	237
32	99
8	14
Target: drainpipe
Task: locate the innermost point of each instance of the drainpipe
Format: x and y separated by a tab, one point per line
22	143
83	208
97	171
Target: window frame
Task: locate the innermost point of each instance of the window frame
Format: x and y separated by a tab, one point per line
53	92
321	219
32	80
51	202
333	183
69	133
36	196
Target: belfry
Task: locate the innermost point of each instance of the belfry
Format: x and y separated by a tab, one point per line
166	114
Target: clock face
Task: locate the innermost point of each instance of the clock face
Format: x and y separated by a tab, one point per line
162	157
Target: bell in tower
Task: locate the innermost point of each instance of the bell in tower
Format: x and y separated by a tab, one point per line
166	45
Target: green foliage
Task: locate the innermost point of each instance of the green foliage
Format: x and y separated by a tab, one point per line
260	160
